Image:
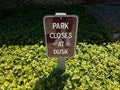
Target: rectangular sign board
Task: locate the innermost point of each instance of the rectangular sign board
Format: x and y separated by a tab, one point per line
60	35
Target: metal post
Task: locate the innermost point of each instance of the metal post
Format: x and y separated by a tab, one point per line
61	64
61	61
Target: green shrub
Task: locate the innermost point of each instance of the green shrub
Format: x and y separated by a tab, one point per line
28	67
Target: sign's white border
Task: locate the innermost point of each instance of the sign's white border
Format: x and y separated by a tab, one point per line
46	37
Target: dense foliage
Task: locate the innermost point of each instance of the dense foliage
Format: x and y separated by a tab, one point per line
24	64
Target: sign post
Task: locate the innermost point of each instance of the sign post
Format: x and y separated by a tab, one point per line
61	64
60	34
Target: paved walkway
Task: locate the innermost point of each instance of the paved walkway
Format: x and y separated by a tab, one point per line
108	14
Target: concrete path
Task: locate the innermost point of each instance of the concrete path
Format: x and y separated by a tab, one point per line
108	14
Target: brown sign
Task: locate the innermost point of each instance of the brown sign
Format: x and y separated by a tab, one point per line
60	35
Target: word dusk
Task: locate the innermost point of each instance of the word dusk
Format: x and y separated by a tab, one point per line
60	51
60	35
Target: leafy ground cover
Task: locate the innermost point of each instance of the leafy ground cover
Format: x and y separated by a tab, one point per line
24	64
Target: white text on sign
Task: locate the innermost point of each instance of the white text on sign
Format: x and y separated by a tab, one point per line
60	51
58	36
62	35
61	25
